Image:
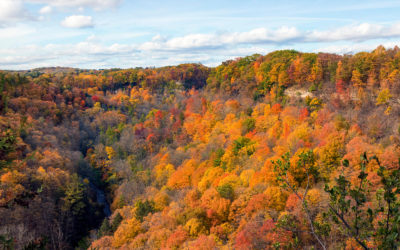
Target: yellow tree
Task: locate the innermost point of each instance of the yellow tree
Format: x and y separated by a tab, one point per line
383	99
316	72
356	79
126	232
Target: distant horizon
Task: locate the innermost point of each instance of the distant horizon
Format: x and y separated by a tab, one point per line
171	65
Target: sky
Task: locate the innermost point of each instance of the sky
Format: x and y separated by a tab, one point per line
98	34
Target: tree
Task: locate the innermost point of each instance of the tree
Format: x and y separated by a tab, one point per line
226	191
316	73
105	228
339	78
195	227
216	206
340	205
116	222
242	142
143	209
383	97
8	142
330	155
177	238
128	230
74	197
181	178
348	206
388	236
306	161
6	243
204	242
356	79
276	198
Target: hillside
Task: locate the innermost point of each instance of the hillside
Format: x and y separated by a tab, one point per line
281	151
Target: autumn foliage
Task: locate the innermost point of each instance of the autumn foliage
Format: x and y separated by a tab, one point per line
191	157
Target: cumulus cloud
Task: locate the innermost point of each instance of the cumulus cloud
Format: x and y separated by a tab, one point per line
207	48
360	32
283	35
93	54
212	41
12	11
78	21
94	4
46	10
84	54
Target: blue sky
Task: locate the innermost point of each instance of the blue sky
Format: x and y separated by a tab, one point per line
131	33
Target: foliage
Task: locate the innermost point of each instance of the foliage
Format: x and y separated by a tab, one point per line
116	222
242	142
383	97
283	167
348	206
7	146
226	191
143	208
341	197
234	156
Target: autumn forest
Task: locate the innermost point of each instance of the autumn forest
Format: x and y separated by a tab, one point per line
287	150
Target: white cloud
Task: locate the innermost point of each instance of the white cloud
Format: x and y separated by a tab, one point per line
12	11
262	35
356	47
46	10
92	48
94	4
77	21
361	32
98	51
212	41
84	54
93	54
282	35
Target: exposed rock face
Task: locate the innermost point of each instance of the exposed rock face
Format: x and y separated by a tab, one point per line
298	92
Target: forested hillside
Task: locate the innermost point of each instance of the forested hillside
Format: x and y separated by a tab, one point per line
282	151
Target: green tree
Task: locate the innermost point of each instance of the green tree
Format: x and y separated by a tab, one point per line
6	243
388	232
282	168
143	209
8	140
348	208
116	222
347	204
74	199
226	191
105	228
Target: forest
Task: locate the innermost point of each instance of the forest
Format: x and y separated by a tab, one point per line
279	151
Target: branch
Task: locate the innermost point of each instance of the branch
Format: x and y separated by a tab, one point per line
304	204
351	233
